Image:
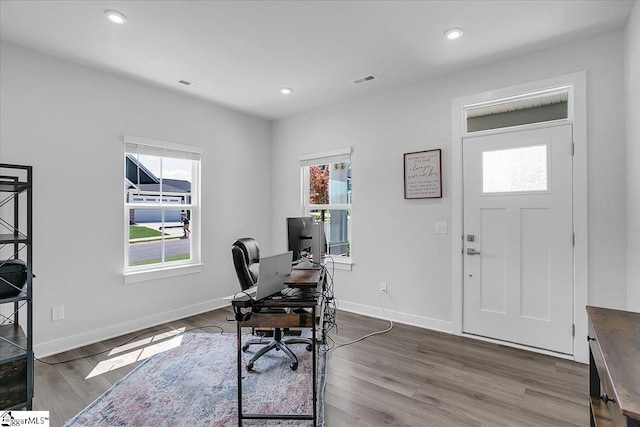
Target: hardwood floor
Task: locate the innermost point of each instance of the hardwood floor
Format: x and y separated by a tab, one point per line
415	377
406	377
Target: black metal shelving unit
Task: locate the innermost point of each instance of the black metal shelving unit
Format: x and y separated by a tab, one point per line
16	334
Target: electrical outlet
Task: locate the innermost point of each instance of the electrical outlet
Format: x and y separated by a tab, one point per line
383	287
57	312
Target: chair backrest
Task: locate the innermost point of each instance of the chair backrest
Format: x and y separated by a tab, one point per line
246	260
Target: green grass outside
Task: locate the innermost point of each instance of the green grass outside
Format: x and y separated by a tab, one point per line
157	261
137	232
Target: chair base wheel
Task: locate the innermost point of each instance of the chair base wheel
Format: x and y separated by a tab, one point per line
294	366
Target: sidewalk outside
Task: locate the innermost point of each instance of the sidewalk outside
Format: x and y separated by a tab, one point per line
172	230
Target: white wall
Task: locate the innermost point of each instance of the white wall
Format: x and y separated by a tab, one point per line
393	238
68	121
632	56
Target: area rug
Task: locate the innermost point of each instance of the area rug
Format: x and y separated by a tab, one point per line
195	384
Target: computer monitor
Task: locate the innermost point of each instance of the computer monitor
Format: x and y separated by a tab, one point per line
299	231
306	240
318	242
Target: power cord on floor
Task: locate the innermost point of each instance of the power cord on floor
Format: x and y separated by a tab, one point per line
129	341
372	333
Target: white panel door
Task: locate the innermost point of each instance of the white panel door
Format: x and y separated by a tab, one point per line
518	238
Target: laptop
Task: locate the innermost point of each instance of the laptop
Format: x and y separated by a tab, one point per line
272	273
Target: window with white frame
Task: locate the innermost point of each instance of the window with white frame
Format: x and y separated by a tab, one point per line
161	204
326	184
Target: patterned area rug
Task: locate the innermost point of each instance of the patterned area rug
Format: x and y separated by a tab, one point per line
195	384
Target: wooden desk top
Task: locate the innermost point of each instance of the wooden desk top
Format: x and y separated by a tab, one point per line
618	335
303	278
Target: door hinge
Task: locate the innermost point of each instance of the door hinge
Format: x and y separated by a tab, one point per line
573	330
573	239
573	148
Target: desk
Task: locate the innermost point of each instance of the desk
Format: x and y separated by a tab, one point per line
614	367
313	281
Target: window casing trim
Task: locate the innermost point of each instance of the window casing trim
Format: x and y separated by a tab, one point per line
161	273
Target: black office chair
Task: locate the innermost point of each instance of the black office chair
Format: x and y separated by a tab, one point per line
246	259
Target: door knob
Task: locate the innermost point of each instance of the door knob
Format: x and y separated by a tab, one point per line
471	251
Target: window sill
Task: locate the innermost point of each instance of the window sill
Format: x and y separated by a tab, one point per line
339	263
161	273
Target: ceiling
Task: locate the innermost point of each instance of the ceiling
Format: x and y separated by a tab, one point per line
241	53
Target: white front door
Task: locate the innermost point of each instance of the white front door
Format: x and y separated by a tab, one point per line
518	237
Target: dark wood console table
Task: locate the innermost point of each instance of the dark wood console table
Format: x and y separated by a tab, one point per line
614	367
313	283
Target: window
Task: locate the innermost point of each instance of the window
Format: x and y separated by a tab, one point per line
515	170
161	205
544	106
327	197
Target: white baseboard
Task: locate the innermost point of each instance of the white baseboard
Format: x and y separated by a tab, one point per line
396	316
85	338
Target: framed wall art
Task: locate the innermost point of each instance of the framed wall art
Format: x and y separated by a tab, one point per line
423	174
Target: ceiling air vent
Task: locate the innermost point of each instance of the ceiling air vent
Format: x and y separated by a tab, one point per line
365	79
194	85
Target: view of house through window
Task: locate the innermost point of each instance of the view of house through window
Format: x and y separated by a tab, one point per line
160	205
328	199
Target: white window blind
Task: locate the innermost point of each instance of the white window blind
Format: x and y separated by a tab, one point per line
152	147
339	155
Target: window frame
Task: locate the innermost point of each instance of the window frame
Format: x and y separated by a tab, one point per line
331	157
164	149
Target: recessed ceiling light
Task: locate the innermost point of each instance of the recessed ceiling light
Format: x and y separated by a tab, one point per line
286	90
453	33
115	16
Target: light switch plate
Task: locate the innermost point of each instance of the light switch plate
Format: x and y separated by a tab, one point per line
441	227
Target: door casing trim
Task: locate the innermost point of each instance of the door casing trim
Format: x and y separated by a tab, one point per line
578	119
